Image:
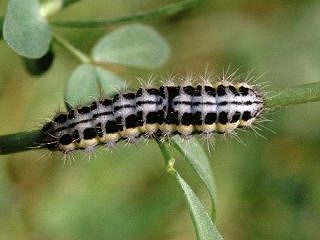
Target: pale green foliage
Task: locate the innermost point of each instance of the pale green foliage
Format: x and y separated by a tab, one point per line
133	45
25	30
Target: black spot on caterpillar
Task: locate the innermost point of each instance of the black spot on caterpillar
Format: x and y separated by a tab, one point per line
155	113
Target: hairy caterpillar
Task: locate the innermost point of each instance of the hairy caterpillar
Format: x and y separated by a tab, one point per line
154	113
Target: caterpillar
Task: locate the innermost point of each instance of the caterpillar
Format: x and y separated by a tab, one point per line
155	113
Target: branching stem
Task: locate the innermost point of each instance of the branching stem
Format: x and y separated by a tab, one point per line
83	58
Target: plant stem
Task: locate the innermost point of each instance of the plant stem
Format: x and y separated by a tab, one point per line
165	11
66	3
74	51
1	24
296	95
23	141
169	160
18	142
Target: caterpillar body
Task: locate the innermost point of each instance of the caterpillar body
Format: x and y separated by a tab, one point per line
155	113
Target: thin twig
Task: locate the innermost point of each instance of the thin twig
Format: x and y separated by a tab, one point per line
165	11
82	57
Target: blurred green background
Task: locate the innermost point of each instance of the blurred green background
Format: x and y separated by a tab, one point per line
269	189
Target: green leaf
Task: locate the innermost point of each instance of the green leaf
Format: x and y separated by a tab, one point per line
198	159
88	82
133	45
83	86
109	82
25	30
204	227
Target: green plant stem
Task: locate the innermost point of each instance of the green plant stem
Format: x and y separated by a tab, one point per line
296	95
1	24
23	141
169	160
18	142
66	3
74	51
165	11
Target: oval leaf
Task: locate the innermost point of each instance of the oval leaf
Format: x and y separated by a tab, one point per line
205	228
109	82
25	30
133	45
82	87
198	159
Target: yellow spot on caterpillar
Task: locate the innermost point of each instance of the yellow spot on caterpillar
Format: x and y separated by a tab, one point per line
206	128
67	148
130	132
168	128
247	123
149	128
231	126
110	137
221	127
87	143
185	130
